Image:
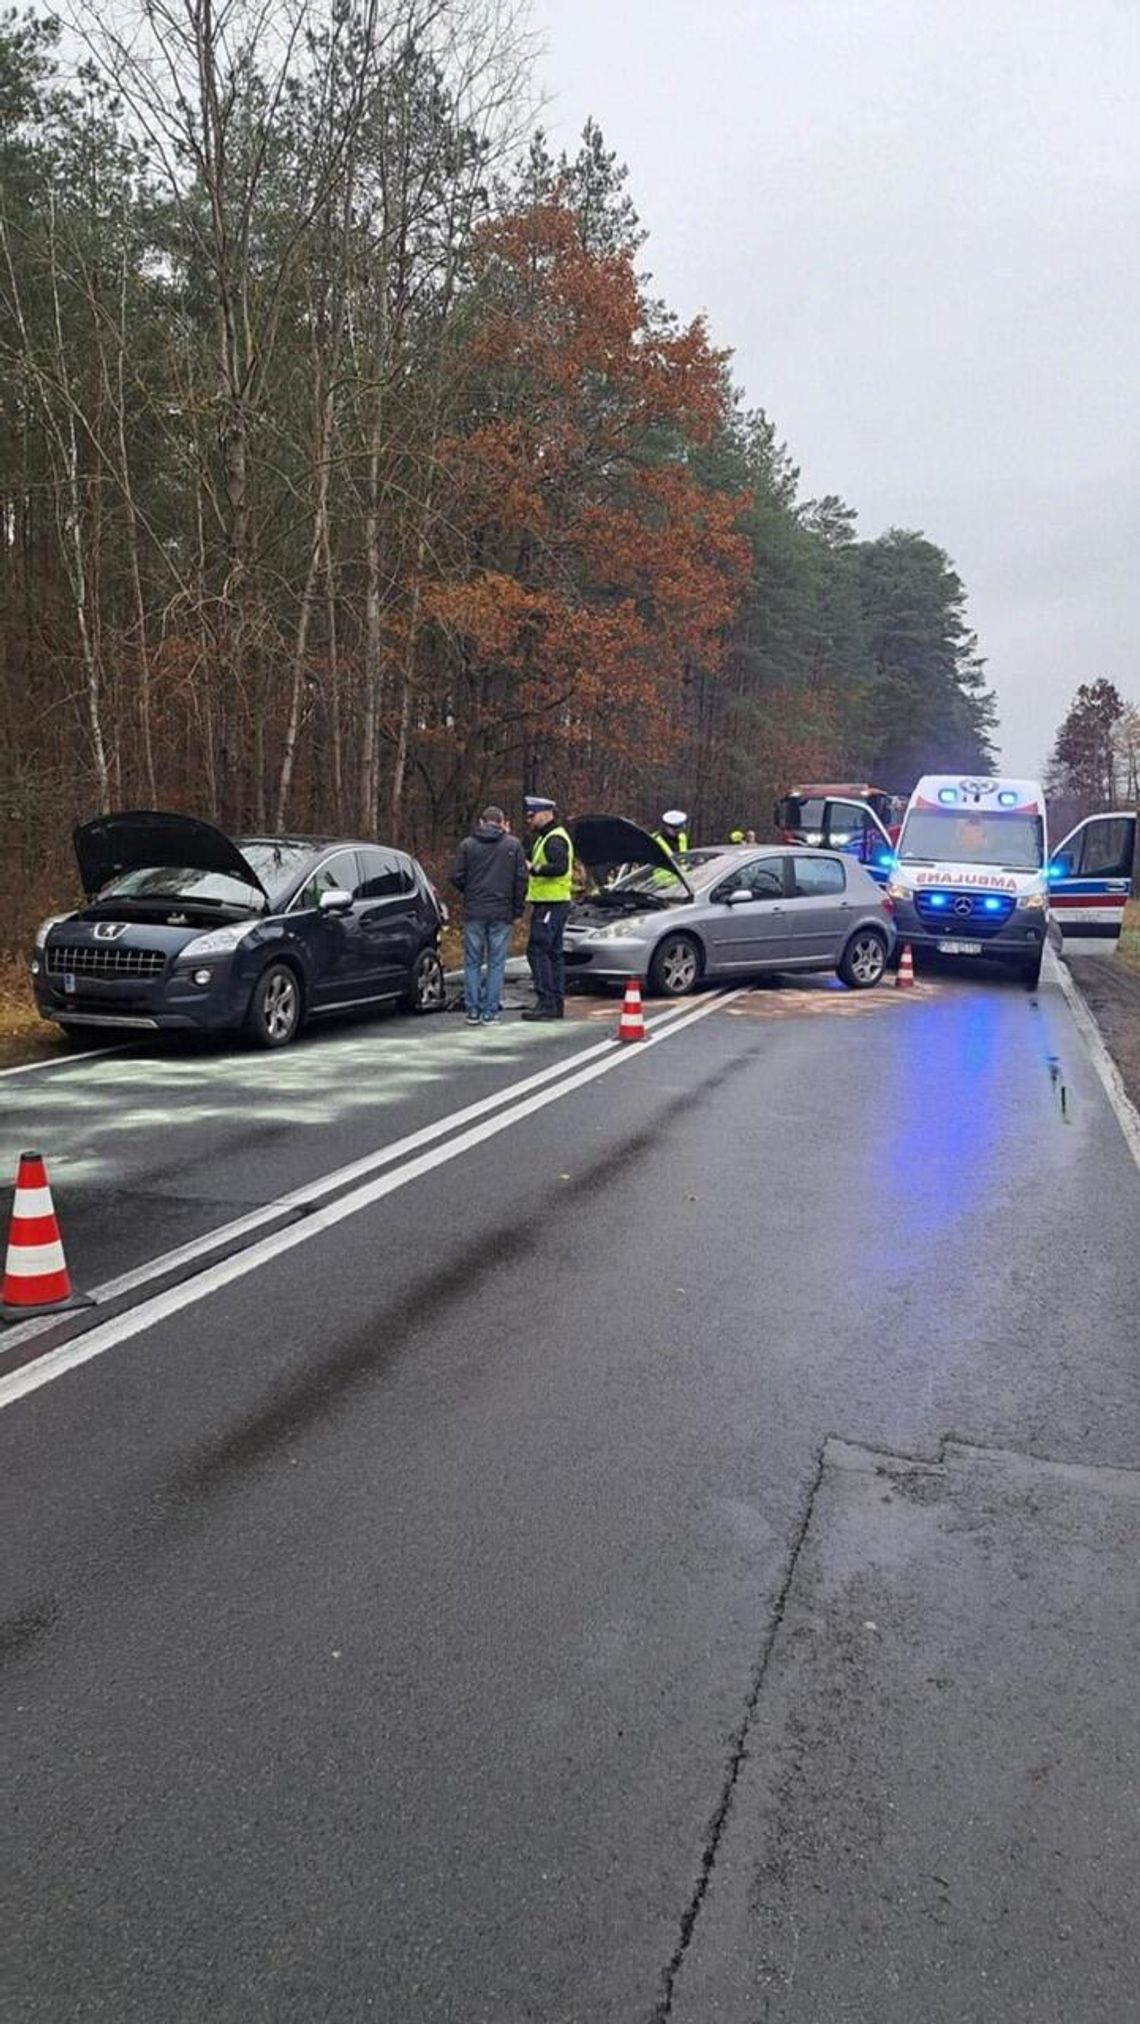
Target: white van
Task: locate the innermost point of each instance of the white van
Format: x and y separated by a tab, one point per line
972	875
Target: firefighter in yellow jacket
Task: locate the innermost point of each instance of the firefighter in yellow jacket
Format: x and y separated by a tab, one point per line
549	890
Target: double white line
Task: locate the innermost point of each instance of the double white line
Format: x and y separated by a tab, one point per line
413	1156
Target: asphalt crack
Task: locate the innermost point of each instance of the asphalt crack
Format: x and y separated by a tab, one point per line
719	1818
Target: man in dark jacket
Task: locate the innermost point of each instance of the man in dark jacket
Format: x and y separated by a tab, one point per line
490	871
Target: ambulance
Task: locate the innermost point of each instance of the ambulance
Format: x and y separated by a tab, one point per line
972	875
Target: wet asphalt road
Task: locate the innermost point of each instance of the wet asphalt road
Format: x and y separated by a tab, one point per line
384	1631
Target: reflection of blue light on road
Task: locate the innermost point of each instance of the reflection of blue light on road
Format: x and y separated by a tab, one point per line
938	1154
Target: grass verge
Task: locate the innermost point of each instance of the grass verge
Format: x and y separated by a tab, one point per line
1129	951
24	1036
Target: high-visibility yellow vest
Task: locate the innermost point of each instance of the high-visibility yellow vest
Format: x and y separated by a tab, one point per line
667	843
550	889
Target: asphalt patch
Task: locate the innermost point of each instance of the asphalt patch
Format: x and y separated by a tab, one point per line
938	1812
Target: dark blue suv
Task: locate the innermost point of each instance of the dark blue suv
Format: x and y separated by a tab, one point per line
186	930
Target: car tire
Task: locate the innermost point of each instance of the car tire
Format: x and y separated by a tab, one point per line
863	961
676	967
275	1013
427	991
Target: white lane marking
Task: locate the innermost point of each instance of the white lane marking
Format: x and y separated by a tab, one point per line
314	1191
1124	1110
65	1061
161	1306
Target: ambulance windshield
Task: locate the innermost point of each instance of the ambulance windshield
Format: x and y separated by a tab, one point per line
1015	842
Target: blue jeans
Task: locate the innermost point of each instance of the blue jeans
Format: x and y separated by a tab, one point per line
485	942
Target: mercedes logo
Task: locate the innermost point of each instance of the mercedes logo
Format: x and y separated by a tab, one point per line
963	904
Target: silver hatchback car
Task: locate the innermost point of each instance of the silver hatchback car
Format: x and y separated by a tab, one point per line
725	912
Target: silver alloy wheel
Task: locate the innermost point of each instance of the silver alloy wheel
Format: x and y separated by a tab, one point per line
280	1006
429	987
867	959
677	967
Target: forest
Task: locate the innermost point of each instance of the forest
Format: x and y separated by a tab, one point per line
354	475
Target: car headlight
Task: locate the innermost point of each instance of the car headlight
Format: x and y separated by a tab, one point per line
45	927
219	942
1034	903
617	931
897	889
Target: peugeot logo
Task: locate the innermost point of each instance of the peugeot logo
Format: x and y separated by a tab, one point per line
963	905
106	931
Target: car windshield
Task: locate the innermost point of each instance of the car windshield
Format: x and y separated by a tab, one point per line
700	867
973	836
182	882
277	861
654	879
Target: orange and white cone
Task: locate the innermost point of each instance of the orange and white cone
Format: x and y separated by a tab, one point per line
904	981
631	1025
36	1278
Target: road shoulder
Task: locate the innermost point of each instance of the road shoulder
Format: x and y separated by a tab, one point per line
1112	993
1104	999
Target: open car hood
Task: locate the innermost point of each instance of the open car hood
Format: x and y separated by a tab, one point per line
113	844
604	840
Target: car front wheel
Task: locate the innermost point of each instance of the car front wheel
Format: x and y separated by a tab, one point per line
675	968
863	960
274	1017
427	991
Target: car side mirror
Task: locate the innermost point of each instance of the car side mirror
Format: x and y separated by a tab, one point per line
738	896
1061	866
335	901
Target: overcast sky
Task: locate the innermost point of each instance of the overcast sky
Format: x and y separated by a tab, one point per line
917	224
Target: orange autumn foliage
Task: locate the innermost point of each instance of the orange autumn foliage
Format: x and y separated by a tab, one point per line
592	571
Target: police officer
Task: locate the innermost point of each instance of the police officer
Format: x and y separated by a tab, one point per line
549	890
736	836
673	834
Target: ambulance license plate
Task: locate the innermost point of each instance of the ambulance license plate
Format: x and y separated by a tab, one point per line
959	948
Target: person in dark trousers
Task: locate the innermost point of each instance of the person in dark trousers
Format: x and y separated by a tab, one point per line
549	891
490	871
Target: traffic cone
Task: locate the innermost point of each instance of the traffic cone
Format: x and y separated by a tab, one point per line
904	981
631	1025
36	1278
